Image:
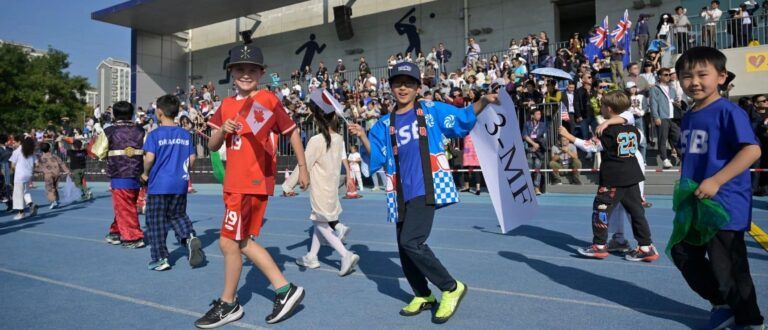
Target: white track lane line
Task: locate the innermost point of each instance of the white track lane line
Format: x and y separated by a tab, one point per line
400	279
119	297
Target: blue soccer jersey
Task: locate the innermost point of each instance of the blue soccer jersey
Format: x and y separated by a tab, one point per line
407	136
711	137
172	147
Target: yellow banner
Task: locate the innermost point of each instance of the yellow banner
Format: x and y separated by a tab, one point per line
757	61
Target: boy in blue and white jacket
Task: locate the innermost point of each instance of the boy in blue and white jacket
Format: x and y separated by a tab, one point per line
407	143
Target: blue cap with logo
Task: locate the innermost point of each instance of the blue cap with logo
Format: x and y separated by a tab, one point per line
405	69
246	54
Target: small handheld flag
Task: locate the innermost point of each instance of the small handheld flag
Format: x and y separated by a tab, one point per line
327	102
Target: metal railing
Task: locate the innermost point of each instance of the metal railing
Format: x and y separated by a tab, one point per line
724	34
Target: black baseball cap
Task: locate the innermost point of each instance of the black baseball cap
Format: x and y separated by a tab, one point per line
405	69
246	54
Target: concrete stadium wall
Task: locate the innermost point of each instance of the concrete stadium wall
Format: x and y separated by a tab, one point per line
374	34
161	65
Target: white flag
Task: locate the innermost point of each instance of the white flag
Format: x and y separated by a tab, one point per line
326	102
500	150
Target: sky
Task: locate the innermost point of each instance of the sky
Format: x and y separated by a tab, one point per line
66	26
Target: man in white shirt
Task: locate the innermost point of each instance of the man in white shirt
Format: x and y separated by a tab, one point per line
712	17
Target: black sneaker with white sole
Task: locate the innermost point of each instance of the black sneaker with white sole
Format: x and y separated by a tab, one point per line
285	303
220	314
195	249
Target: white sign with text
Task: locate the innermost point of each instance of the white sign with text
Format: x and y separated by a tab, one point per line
501	153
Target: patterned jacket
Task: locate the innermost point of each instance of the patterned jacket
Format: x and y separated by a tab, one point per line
121	136
442	121
50	165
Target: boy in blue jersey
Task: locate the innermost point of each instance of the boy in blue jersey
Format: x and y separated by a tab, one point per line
718	147
169	153
408	144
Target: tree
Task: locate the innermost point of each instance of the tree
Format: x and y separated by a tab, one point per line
34	90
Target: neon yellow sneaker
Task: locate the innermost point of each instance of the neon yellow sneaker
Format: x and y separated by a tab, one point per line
449	302
417	305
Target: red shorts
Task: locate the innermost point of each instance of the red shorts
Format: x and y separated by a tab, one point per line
243	215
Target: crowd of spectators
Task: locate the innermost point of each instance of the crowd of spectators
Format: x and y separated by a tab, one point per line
461	76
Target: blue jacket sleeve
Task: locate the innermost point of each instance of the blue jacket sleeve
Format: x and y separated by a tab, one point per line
453	122
377	137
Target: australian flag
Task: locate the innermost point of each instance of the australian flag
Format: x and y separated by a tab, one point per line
598	41
623	36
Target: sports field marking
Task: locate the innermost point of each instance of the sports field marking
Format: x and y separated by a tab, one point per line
120	297
384	224
334	271
623	263
759	235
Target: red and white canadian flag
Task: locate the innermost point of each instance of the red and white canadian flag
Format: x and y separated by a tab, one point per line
255	115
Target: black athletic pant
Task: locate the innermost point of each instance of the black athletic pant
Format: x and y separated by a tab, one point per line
723	278
606	200
418	262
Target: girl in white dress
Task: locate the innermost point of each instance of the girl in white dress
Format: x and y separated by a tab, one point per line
325	153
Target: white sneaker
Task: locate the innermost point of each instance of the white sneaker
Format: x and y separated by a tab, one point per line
348	263
341	232
667	163
309	262
54	205
18	216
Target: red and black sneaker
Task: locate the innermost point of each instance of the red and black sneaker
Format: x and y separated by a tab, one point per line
639	255
594	251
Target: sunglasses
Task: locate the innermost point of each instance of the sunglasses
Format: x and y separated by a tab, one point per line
407	83
761	101
665	75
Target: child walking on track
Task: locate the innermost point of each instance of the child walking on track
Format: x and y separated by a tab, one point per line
77	161
52	168
23	165
620	175
244	122
169	153
122	147
354	165
408	144
325	153
718	147
618	243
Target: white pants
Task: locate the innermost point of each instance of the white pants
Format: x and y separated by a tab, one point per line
358	176
379	178
21	195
